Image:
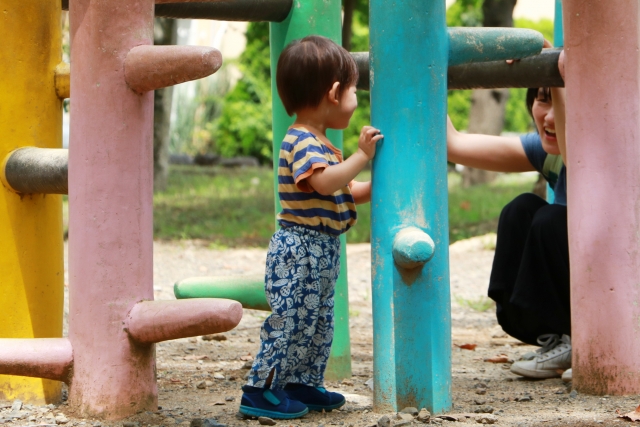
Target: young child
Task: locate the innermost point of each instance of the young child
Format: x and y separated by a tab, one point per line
316	81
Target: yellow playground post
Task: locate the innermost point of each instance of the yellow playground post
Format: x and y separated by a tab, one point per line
31	260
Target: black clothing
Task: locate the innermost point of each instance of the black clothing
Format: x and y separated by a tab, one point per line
530	275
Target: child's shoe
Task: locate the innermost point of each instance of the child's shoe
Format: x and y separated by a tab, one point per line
263	402
316	398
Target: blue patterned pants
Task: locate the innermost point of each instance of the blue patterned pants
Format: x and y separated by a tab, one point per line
300	277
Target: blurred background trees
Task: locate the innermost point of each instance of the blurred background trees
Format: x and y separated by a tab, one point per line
228	120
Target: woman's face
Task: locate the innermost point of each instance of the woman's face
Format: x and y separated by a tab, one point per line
542	111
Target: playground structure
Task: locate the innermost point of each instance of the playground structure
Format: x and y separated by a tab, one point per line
108	358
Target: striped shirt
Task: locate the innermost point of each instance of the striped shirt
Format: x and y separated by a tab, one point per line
301	154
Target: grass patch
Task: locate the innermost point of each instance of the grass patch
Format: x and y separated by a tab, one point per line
227	207
230	208
481	304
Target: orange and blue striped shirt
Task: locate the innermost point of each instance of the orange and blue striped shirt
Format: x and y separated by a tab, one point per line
301	154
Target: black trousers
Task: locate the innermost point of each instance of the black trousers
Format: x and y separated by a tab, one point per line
530	275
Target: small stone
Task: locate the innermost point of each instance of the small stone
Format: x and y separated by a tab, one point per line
481	391
485	409
487	419
248	364
480	402
61	419
193	340
201	385
218	376
424	415
410	410
525	398
384	421
230	398
573	394
97	424
130	424
16	405
214	337
251	340
402	423
404	417
266	421
369	383
196	422
347	382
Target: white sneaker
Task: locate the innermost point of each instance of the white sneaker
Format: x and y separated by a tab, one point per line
547	364
546	341
567	376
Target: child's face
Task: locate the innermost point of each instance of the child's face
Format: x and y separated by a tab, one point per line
544	118
345	108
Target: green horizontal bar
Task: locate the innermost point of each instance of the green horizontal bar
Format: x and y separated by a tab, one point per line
477	44
247	290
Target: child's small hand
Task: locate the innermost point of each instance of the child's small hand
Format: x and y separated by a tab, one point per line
367	141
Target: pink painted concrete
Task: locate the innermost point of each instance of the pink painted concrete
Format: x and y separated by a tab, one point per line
110	209
50	358
155	321
153	67
603	134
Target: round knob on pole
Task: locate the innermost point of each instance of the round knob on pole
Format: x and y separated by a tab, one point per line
412	248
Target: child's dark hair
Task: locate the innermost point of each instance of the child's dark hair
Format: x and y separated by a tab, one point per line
532	95
307	69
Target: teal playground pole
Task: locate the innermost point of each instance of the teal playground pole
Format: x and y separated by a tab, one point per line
411	304
558	41
322	17
558	27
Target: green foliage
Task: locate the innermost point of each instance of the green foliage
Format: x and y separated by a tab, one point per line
192	131
244	126
469	13
465	13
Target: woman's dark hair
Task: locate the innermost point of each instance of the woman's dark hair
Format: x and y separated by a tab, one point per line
532	95
307	69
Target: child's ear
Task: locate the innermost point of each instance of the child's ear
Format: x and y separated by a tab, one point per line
332	95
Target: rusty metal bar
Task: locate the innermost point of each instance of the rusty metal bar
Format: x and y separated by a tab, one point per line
223	10
37	170
536	71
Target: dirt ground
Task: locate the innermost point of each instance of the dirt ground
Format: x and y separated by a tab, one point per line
201	379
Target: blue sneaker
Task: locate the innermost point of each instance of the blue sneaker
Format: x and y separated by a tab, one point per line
316	398
263	402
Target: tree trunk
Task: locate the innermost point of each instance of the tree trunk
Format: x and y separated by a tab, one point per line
165	32
488	105
347	23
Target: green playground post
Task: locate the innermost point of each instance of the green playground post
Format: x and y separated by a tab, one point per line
322	17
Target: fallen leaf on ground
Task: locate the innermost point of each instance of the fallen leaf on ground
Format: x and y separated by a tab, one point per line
632	416
501	358
195	357
467	346
175	380
214	337
465	205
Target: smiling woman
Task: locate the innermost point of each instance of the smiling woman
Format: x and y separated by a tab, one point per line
530	274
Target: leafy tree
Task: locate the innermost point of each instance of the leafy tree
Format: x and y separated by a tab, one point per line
244	125
469	13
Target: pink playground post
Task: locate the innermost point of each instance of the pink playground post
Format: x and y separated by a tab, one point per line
602	39
108	360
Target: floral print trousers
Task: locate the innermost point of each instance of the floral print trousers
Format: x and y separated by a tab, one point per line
295	340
